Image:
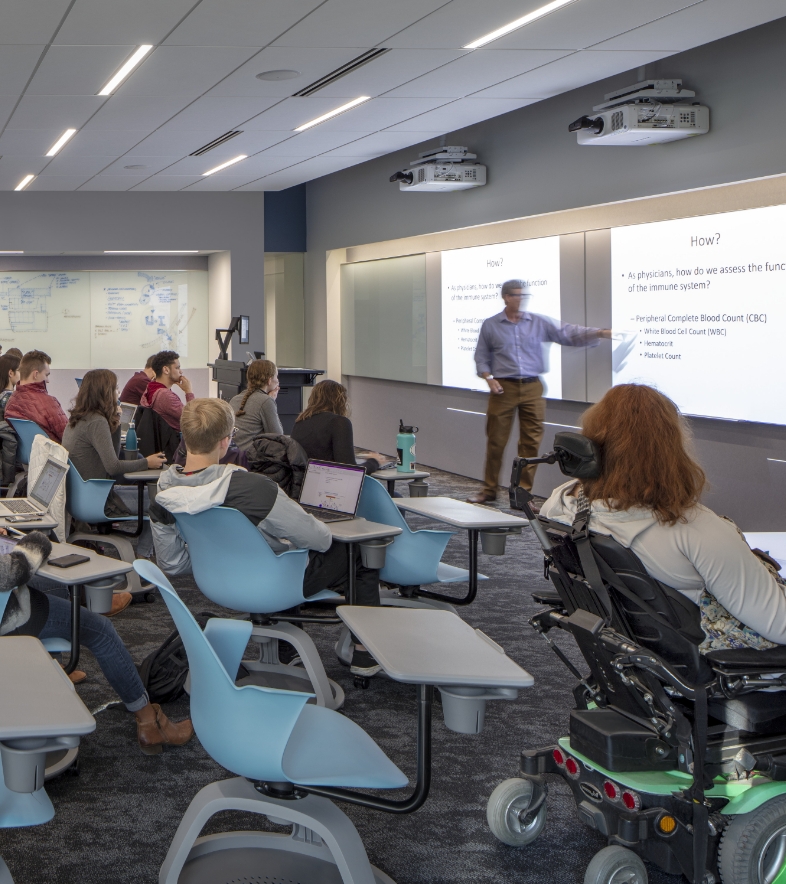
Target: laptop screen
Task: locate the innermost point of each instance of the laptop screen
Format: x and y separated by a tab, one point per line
332	486
127	412
48	482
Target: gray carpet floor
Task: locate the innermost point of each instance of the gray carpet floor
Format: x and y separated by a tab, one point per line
115	820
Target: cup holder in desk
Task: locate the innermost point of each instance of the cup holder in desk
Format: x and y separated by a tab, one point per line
373	552
98	595
464	708
418	488
24	760
492	540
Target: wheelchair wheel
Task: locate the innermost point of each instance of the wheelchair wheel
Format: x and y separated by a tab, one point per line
616	865
753	847
509	815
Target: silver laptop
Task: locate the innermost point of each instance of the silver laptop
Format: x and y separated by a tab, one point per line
331	491
37	504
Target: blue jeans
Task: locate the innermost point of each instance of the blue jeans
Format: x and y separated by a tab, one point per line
100	637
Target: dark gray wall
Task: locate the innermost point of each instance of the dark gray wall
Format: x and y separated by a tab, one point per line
52	223
535	166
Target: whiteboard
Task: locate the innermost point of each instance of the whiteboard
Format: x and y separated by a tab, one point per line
99	319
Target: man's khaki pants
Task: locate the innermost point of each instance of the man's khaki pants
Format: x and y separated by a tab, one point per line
528	400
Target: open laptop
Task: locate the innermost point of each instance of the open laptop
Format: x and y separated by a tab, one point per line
331	491
37	504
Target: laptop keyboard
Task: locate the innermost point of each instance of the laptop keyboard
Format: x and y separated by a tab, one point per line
329	516
19	506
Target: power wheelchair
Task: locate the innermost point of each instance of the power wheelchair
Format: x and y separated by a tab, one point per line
677	758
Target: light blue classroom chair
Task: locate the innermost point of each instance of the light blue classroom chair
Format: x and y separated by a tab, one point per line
274	742
234	567
26	431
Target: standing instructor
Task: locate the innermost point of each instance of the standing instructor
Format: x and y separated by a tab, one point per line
509	357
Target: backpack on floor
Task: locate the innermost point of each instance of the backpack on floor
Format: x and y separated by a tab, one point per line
164	671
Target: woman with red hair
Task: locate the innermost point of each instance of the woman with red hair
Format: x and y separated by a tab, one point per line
647	499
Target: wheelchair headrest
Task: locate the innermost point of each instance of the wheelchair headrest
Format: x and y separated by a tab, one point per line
577	456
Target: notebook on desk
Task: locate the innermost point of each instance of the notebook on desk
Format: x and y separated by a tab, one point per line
331	491
37	504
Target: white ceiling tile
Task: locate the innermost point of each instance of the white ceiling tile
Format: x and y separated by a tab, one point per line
570	73
31	21
361	23
55	111
253	167
391	70
107	182
463	112
132	112
16	65
7	103
151	166
57	182
77	70
74	164
458	23
121	21
707	21
311	63
171	140
477	70
165	182
215	116
584	23
310	143
292	112
27	142
229	182
381	143
14	169
104	142
186	71
239	22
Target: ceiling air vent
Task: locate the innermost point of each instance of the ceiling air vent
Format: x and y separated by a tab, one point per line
341	72
216	142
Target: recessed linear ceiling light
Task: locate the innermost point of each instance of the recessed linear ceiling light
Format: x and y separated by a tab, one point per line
151	251
334	113
231	162
24	182
518	23
12	253
61	141
124	71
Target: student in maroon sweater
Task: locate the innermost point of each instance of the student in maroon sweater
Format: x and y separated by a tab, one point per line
136	385
31	401
159	394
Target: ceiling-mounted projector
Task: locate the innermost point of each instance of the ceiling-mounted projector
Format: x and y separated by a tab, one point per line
649	112
443	168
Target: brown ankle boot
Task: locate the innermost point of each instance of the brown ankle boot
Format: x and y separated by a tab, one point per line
156	731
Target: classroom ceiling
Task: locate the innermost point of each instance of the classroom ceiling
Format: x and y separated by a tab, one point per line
201	81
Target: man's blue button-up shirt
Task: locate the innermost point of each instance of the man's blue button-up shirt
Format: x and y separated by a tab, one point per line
508	349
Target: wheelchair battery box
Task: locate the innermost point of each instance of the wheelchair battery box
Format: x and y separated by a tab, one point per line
617	743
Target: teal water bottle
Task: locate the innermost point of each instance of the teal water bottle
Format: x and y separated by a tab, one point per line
405	448
131	443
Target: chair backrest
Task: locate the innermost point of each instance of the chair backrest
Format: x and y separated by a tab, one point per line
234	566
4	596
648	612
245	729
377	505
154	434
86	498
26	431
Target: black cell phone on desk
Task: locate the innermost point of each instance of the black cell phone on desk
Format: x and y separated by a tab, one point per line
22	518
68	561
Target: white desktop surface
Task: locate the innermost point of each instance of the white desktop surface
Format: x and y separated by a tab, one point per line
459	513
143	475
45	523
429	646
393	475
36	697
358	530
771	542
96	569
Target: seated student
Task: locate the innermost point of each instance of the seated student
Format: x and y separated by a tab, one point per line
9	378
92	436
31	402
255	408
324	429
32	612
647	499
15	351
137	383
159	394
203	483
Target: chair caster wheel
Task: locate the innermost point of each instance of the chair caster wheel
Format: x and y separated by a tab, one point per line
149	597
362	682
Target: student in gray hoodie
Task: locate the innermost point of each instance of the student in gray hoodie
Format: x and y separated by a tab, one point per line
207	426
647	499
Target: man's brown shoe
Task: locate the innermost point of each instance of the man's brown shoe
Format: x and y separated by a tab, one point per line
154	730
483	497
77	676
120	601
